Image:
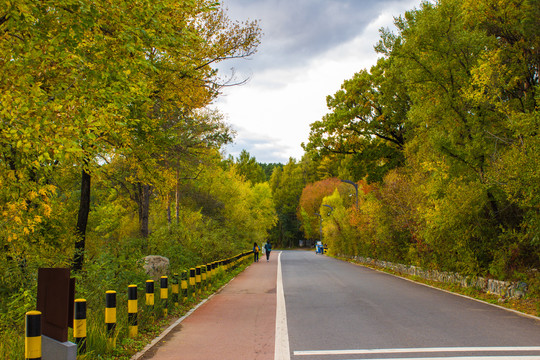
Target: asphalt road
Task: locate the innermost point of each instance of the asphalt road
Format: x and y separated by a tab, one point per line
337	310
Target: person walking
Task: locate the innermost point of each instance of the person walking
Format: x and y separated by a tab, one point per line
255	252
267	249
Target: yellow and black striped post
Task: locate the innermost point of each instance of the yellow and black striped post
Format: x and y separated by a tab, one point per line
220	269
184	285
133	323
215	269
164	294
79	325
209	275
192	281
150	293
110	316
174	289
204	278
198	278
32	340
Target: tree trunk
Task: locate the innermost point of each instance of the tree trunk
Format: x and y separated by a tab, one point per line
177	198
169	210
143	201
82	221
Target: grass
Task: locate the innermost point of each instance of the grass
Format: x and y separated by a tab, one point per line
150	323
127	347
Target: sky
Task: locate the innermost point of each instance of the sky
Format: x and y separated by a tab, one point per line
308	49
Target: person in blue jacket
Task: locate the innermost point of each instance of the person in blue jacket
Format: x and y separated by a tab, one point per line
267	249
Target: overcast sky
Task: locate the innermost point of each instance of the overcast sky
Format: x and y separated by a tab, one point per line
308	49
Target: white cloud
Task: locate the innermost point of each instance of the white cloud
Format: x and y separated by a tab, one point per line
290	81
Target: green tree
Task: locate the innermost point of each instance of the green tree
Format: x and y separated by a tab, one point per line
249	168
367	120
287	184
310	203
84	81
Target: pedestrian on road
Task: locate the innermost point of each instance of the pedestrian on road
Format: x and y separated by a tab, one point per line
255	252
263	250
267	249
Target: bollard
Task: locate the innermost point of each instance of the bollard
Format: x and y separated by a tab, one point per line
110	316
184	285
198	278
209	275
204	278
220	269
174	289
192	281
32	340
133	323
164	294
79	325
150	293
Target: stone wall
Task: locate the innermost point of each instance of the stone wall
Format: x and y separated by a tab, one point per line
504	289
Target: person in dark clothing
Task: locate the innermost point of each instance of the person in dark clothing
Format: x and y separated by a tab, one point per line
267	248
255	252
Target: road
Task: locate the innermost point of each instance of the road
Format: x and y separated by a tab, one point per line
336	310
302	306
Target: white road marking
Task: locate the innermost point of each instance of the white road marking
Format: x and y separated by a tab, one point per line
417	350
281	351
466	358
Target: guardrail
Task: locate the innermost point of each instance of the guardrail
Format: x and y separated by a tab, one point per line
200	279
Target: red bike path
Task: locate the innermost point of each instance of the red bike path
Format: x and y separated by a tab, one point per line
238	322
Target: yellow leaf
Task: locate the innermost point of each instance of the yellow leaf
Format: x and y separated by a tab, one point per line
32	195
47	210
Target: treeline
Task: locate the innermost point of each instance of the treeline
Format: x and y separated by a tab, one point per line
108	150
442	138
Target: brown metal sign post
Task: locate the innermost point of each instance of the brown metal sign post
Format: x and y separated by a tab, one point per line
55	300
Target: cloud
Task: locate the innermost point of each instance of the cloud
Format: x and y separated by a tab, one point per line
266	149
309	48
296	31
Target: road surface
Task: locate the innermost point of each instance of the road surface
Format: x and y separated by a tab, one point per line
302	306
337	310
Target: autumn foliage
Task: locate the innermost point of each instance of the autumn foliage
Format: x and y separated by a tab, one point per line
445	126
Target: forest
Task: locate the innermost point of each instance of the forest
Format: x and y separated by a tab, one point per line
440	138
109	150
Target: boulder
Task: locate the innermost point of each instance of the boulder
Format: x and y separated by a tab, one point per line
156	266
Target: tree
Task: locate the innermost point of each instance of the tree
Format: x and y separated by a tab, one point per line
247	166
84	82
367	120
269	169
287	184
310	203
505	82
